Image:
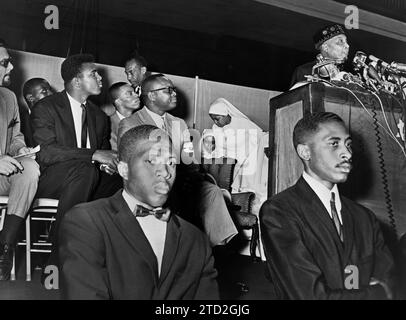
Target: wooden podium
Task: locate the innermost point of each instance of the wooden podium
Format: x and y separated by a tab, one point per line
378	179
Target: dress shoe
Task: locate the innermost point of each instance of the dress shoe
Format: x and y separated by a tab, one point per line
6	261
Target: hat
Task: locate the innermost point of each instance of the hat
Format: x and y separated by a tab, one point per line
327	33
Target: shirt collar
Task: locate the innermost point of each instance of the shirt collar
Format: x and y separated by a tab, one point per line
156	117
132	202
119	115
323	192
74	102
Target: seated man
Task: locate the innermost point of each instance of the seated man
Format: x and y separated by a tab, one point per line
135	69
130	246
194	195
126	102
77	163
18	177
318	243
34	90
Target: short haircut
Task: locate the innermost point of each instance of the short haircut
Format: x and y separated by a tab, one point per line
2	43
30	84
148	81
131	140
72	66
309	124
147	84
139	60
114	89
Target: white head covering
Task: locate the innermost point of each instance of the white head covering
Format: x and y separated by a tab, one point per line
223	107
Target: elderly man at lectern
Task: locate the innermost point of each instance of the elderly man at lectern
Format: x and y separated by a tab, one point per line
331	42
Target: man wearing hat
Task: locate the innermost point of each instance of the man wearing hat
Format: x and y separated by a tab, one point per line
331	42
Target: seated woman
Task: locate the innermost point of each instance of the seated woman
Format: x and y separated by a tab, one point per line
239	138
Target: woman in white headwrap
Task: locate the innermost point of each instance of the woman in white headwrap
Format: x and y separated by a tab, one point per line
238	137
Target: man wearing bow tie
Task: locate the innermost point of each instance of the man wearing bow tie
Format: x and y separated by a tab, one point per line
131	246
318	243
199	201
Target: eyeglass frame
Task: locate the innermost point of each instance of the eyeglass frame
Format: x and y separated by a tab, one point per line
5	62
170	90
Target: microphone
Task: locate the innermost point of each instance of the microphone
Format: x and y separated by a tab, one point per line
379	62
399	67
373	73
359	62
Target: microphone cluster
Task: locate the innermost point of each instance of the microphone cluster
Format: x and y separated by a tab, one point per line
377	73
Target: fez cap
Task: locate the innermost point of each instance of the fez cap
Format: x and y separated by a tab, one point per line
327	33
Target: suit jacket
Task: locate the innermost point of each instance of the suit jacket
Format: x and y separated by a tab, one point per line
53	128
11	139
26	126
176	127
301	71
306	258
104	254
114	124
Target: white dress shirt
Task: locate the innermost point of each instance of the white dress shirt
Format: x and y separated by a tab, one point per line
153	228
77	120
159	120
324	194
119	115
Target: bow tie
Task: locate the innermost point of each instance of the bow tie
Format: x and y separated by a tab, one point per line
160	214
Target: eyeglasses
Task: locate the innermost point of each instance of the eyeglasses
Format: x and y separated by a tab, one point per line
5	62
170	89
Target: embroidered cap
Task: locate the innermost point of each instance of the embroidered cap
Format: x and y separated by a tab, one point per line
327	33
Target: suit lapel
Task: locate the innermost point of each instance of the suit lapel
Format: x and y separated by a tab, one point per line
3	124
317	212
131	229
145	117
171	246
91	125
65	111
348	230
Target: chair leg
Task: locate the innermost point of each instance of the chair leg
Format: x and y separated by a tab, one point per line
2	216
28	247
254	242
13	269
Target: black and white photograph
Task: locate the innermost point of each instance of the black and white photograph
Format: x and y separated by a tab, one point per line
202	155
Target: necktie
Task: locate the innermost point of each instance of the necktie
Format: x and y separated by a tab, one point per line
83	143
335	218
138	90
164	124
160	214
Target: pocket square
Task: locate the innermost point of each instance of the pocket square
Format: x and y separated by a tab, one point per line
12	123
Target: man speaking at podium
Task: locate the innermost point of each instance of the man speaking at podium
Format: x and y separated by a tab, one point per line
331	42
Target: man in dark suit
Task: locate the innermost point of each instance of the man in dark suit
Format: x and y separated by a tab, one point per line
76	162
199	201
319	244
130	246
136	71
34	90
331	42
126	102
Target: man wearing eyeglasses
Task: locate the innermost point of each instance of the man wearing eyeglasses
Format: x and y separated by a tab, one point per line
18	178
192	192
